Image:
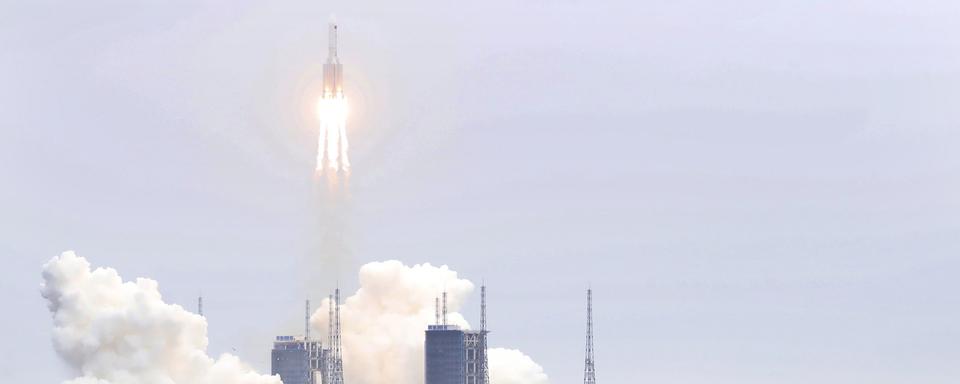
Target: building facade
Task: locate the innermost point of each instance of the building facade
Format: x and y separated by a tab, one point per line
454	356
297	361
444	355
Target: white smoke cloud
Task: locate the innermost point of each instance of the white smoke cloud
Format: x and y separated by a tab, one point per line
510	366
116	332
383	325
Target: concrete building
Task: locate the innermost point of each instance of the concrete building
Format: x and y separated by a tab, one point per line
444	355
296	360
453	355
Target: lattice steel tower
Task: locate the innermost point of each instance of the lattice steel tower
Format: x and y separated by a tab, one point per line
328	353
483	335
335	348
589	370
306	321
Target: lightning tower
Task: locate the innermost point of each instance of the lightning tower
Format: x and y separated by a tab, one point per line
589	371
484	365
328	356
336	376
306	321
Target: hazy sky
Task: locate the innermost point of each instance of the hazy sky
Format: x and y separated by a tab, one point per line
758	191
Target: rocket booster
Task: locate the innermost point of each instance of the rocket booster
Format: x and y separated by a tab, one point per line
332	69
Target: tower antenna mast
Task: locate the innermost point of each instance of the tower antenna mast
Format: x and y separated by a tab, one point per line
589	370
336	348
483	308
444	307
485	368
306	321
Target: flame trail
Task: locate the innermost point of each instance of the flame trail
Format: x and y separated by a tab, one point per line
332	145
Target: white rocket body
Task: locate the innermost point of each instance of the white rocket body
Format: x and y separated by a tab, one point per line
332	70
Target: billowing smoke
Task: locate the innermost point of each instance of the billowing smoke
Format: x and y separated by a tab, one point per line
510	366
383	326
116	332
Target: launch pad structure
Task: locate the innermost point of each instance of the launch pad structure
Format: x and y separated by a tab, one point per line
453	355
303	360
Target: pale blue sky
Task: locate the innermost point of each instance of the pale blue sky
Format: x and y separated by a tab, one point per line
758	191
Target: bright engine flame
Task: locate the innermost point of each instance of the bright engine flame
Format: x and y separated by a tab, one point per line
333	147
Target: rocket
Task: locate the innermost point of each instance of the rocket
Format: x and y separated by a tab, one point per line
332	69
332	146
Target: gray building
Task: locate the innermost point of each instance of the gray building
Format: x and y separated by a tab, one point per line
454	356
296	360
444	355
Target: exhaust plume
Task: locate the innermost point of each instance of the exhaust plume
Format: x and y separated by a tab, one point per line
332	145
115	332
383	325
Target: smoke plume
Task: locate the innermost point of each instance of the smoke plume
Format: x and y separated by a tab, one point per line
510	366
116	332
383	326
